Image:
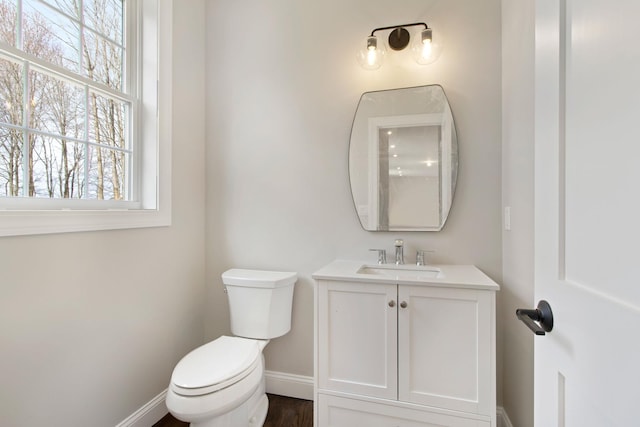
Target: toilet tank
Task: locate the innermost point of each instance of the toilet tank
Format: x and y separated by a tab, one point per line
259	302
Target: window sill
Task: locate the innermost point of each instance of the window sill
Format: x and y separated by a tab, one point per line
19	223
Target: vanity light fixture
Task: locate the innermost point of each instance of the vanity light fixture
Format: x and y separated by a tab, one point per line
424	49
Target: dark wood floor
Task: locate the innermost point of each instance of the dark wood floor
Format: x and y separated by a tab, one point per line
283	412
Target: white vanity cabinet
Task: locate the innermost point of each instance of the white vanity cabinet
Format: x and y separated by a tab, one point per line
405	352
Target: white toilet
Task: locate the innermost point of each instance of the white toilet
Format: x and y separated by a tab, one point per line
221	384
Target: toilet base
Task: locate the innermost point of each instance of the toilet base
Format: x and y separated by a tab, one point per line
251	413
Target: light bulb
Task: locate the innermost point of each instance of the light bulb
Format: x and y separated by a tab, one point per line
425	49
371	56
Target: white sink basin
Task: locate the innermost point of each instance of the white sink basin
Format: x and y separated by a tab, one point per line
402	271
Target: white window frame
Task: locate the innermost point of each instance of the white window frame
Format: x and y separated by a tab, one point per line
27	216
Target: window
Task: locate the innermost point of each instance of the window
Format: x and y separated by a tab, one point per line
81	86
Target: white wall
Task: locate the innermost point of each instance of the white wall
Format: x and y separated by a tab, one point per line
92	324
282	88
517	155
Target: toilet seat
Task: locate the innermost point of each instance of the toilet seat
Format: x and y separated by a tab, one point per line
215	366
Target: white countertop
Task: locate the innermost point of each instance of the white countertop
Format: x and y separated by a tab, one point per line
451	275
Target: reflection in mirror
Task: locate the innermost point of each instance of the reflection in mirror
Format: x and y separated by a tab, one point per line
403	159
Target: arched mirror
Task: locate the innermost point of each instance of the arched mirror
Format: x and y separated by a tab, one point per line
403	159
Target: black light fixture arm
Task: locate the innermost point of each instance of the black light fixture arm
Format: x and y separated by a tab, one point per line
393	27
399	37
423	49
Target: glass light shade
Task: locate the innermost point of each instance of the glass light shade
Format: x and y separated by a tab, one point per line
425	48
371	56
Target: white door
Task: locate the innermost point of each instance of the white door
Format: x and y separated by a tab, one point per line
587	226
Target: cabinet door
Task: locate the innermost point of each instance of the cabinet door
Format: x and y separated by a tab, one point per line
357	338
445	348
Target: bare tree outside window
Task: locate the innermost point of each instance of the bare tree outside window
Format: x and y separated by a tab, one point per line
64	116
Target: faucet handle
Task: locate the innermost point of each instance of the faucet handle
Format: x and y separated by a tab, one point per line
382	255
420	256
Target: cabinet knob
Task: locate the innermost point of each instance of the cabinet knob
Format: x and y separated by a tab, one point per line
403	304
392	303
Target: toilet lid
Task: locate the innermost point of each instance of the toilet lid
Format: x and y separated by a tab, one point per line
215	365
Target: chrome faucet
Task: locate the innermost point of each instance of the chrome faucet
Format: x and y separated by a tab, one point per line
399	251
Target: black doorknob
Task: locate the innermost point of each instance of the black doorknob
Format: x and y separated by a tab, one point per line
542	314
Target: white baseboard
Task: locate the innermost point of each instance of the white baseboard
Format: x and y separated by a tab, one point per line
149	414
503	418
289	385
280	383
